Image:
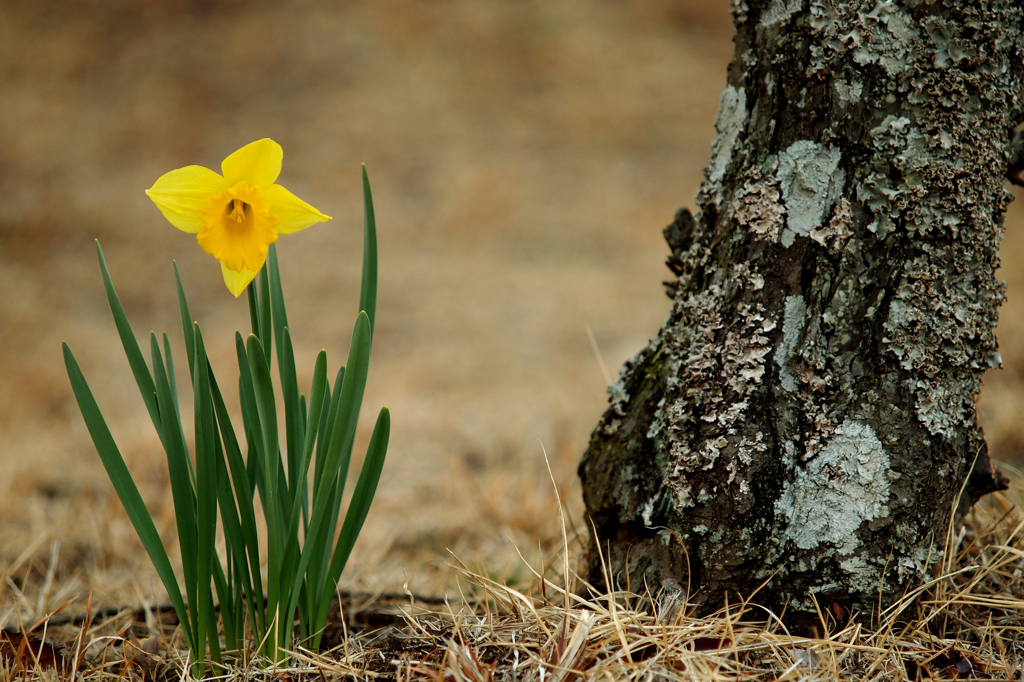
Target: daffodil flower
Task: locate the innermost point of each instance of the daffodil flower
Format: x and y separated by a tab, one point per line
238	215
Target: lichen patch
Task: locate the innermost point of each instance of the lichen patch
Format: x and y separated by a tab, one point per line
759	206
878	32
846	485
732	113
862	575
849	92
839	228
780	11
811	181
793	320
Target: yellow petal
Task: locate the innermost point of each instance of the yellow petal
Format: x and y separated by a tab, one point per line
294	213
183	193
257	163
237	281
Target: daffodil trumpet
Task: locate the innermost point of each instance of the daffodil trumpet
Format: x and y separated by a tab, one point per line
299	475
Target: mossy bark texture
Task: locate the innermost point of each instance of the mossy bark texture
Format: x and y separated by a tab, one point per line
806	416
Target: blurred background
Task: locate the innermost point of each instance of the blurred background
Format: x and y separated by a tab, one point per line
525	156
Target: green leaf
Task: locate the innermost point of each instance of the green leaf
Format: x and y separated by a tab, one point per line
125	488
319	541
327	423
131	346
228	612
234	590
206	489
286	369
276	293
292	411
250	414
316	406
174	394
243	497
327	481
254	308
368	289
179	467
358	508
313	546
343	432
266	332
186	322
270	466
170	375
353	386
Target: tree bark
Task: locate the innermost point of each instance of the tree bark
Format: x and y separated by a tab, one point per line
804	422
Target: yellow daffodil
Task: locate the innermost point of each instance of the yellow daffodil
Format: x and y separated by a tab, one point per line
238	215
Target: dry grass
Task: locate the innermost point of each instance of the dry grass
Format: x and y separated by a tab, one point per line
966	622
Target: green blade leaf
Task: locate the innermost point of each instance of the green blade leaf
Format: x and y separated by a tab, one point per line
292	411
206	489
234	591
179	467
313	546
359	506
254	307
186	322
316	405
368	288
270	466
125	488
250	418
266	333
170	374
327	423
243	497
250	414
228	612
143	378
343	434
317	554
352	389
174	393
328	480
286	369
276	293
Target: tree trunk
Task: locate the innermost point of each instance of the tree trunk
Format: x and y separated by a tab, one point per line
806	416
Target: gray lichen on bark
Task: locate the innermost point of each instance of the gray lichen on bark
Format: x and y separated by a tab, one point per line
806	415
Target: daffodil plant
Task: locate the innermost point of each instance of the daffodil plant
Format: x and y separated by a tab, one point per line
300	478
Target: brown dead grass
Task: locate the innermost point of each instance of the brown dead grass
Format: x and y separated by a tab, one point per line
965	622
